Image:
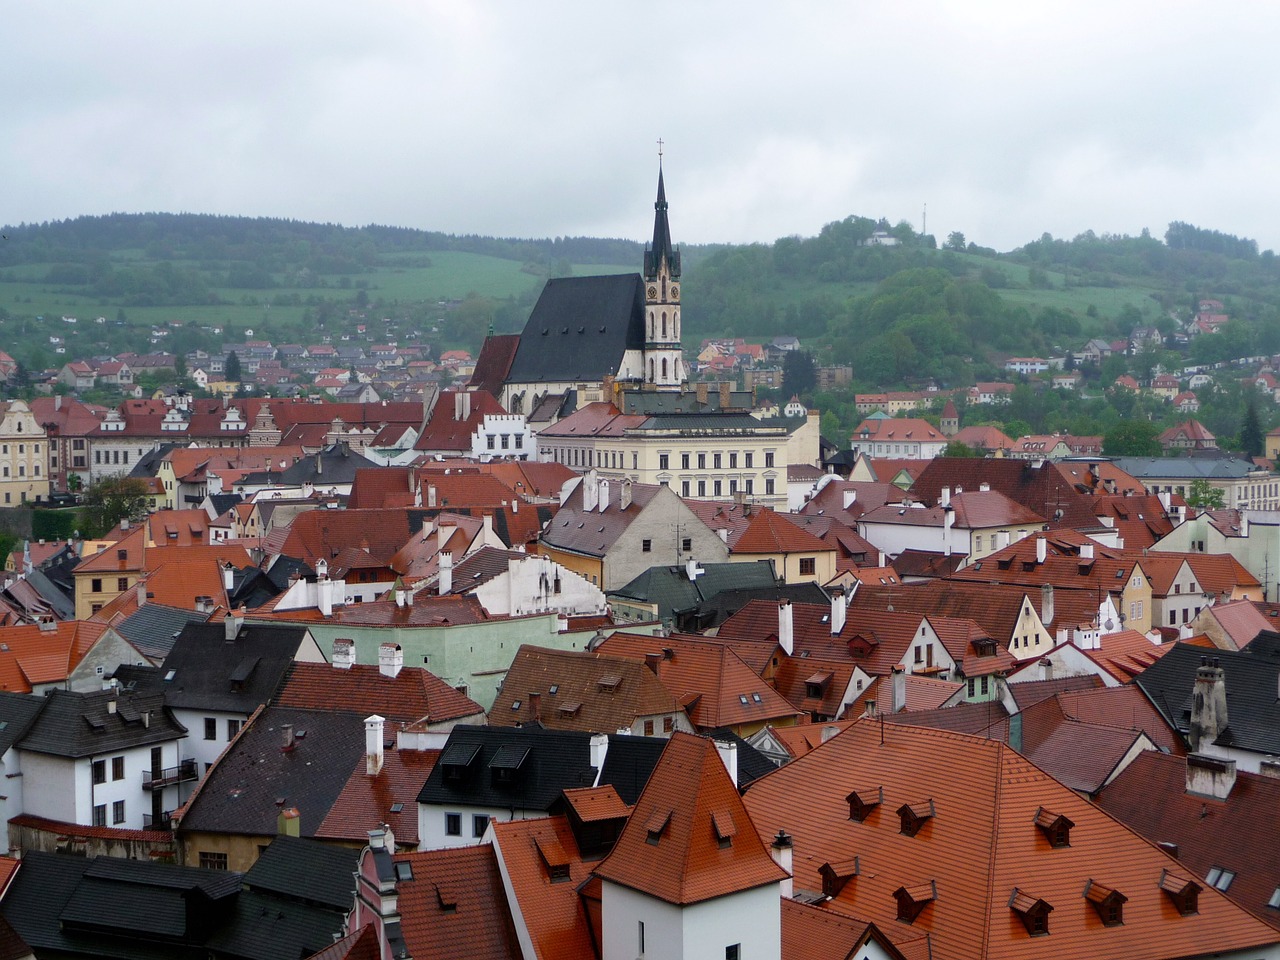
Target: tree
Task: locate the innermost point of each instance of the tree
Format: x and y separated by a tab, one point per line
232	370
1252	441
1204	495
799	373
1132	438
111	500
955	241
957	449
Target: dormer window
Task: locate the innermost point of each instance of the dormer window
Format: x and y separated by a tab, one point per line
1055	827
914	816
816	686
457	760
913	900
609	684
1033	912
836	875
1108	902
863	801
1184	892
656	827
725	830
506	764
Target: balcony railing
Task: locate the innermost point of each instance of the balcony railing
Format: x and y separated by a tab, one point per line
170	776
156	823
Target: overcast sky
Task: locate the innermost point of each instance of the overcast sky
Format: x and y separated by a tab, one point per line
541	119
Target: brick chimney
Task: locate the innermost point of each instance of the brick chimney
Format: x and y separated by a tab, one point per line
1208	706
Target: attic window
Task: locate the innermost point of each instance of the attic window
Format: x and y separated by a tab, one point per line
515	704
458	758
1108	902
656	827
1055	827
609	683
404	870
1220	878
554	689
1274	902
755	698
742	699
913	900
446	900
863	801
722	823
397	807
836	875
1184	893
1033	912
554	859
507	761
914	816
570	709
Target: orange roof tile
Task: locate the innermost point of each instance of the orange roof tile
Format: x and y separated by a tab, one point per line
30	655
412	695
769	532
455	906
368	801
674	844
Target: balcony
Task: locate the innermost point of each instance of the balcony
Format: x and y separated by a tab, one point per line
156	823
170	776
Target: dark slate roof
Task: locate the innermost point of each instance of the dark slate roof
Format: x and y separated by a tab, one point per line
63	605
686	401
284	567
155	627
716	610
1253	711
266	927
210	672
83	725
1266	644
222	502
629	763
148	465
580	328
337	463
308	870
18	711
660	248
672	590
240	793
752	764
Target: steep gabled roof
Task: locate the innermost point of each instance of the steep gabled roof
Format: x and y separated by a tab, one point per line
388	797
689	838
206	671
769	532
413	694
455	907
494	363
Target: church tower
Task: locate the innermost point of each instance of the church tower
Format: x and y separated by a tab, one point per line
663	360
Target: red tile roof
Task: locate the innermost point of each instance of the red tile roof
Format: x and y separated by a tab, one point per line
672	846
769	532
455	906
369	801
980	846
30	656
412	695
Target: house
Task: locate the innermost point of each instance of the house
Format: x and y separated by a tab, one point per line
1190	435
973	523
908	438
796	555
1026	366
887	834
24	456
1186	402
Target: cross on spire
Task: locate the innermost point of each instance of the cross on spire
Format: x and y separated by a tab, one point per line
659	149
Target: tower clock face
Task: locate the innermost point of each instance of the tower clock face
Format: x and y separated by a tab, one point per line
675	293
653	293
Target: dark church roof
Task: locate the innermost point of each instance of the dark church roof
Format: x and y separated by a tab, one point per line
660	249
496	356
579	330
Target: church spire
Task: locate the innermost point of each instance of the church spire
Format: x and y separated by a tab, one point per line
660	249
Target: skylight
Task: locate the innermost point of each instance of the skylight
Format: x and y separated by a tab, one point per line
1220	878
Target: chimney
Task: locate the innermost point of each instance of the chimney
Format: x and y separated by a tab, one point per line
1270	767
1046	669
945	499
984	488
287	740
446	573
624	494
431	496
1002	538
728	751
373	727
289	822
142	593
590	491
786	631
344	653
604	495
1042	547
1046	604
232	624
781	852
897	690
725	402
57	402
1086	551
443	532
651	660
702	393
848	498
1210	776
390	659
1208	706
839	606
829	731
228	577
599	749
1244	524
948	521
535	706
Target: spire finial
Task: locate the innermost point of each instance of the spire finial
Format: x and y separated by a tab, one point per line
659	151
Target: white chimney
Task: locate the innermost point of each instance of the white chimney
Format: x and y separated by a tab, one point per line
232	624
839	606
728	751
1046	604
228	577
897	690
390	659
446	573
692	570
598	749
723	533
786	630
324	595
1086	551
431	496
948	521
1003	539
142	593
373	756
604	495
945	500
590	492
984	488
848	498
1042	547
624	495
781	852
344	653
1210	776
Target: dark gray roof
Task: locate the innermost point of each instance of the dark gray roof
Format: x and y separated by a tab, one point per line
686	401
672	590
205	671
629	763
308	870
17	712
1189	468
1253	711
752	764
222	502
63	605
719	608
267	927
579	329
154	628
336	463
660	249
244	791
84	725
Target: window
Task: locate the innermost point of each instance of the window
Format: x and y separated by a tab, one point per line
1274	902
808	566
733	461
985	686
95	585
702	461
750	485
1135	610
684	461
506	441
768	458
1220	878
210	728
972	686
117	769
117	812
748	458
489	441
684	488
122	584
100	815
716	488
733	951
702	488
99	771
641	938
233	727
479	824
212	861
768	486
669	724
715	461
686	544
453	824
648	728
646	546
664	461
733	486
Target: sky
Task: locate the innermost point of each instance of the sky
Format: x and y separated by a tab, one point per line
999	120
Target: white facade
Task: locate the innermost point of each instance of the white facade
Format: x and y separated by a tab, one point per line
537	584
637	925
504	435
434	824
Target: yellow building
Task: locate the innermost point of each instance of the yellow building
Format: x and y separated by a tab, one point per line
797	555
24	456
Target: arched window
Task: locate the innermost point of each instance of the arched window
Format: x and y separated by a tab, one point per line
664	324
651	370
664	369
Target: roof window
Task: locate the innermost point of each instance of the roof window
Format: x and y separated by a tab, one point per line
836	875
656	827
725	830
1220	878
1033	912
1108	902
913	900
1184	893
863	801
914	816
1055	827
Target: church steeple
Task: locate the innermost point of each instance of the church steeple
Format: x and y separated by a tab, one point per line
660	249
664	363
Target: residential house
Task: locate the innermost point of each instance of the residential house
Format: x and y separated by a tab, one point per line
974	523
908	438
24	456
1190	435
